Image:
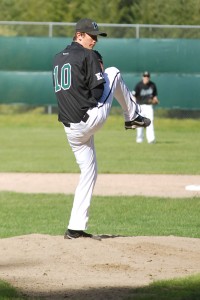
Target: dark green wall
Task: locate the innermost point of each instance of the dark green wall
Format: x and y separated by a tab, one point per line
156	55
26	63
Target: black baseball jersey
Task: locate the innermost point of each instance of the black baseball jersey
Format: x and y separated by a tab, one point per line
76	71
144	92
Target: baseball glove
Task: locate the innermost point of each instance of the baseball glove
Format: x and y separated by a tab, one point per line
153	101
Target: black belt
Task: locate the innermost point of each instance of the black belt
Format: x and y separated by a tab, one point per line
84	119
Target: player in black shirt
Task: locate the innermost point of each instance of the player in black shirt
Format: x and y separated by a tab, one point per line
146	95
85	93
78	82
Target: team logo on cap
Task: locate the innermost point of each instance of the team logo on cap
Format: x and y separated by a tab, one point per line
95	25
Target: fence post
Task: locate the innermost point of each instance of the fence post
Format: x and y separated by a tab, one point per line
49	109
50	29
137	31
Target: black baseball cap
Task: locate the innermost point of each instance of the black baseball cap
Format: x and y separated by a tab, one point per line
146	74
89	26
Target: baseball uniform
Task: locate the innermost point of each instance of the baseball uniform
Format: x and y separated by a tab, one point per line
144	93
85	96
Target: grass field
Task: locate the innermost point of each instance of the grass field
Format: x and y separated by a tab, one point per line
153	216
37	143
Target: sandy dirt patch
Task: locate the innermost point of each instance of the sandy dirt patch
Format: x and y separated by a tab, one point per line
55	268
107	184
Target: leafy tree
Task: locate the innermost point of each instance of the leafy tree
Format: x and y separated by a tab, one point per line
167	12
102	11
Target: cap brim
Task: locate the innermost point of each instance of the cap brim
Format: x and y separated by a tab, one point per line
97	33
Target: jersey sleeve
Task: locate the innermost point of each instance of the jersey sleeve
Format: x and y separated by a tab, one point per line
137	90
94	72
154	90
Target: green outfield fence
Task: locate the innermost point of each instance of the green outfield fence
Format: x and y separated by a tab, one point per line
174	64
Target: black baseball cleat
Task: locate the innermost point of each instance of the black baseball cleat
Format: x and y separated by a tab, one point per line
138	122
75	234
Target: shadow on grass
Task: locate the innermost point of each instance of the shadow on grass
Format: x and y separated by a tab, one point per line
166	142
8	292
177	289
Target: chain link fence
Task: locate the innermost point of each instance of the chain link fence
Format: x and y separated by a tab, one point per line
57	29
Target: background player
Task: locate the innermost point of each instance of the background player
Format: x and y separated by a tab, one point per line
146	95
85	96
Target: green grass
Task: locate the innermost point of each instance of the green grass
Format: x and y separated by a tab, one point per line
37	143
49	214
8	292
177	289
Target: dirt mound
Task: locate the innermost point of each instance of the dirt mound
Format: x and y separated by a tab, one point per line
56	268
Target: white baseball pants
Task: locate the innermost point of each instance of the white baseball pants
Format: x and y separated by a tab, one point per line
81	139
148	112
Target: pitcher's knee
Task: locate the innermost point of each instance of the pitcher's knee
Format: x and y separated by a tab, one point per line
112	70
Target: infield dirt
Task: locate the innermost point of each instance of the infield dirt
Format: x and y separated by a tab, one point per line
54	268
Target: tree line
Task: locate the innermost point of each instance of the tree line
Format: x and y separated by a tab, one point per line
170	12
